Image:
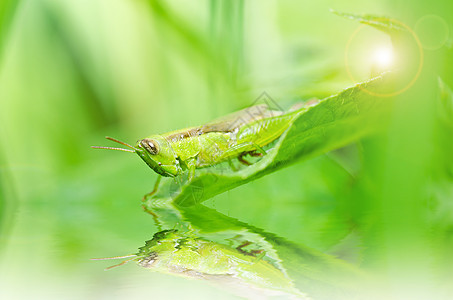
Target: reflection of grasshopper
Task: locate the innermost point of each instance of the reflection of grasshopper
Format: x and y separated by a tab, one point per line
234	136
243	272
240	257
172	252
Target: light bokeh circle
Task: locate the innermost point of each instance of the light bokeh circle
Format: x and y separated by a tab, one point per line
433	31
414	78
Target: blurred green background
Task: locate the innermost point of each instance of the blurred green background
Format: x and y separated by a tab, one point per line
73	71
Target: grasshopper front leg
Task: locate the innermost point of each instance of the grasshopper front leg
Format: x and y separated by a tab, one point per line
146	196
156	185
191	164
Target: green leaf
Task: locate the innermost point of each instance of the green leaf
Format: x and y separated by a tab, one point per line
332	123
407	47
382	23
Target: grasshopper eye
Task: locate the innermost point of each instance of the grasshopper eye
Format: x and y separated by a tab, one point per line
150	145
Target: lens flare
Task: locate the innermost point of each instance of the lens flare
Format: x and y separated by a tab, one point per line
383	56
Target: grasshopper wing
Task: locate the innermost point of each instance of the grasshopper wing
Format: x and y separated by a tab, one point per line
231	122
228	123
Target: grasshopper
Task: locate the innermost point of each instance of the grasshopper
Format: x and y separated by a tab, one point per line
245	132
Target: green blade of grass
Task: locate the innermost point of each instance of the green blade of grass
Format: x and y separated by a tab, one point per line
7	12
382	23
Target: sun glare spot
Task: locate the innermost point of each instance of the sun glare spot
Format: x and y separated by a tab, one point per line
383	57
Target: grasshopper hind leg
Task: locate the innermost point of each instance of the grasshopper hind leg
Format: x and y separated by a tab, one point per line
254	153
242	159
240	150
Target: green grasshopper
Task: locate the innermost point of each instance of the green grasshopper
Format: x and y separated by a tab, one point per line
233	136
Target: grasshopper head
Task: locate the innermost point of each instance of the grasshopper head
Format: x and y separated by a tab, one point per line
158	155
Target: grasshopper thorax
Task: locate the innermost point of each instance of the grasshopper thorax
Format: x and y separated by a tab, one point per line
158	154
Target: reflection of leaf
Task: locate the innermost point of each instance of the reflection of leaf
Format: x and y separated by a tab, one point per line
313	272
332	123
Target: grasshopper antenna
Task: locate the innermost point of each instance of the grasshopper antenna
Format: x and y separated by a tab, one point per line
131	257
115	148
119	142
112	148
